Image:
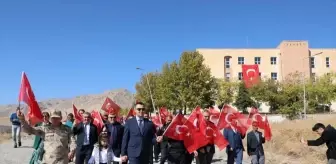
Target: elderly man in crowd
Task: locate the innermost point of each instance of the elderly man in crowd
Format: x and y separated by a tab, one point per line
56	138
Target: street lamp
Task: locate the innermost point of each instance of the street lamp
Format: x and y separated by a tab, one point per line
304	85
149	88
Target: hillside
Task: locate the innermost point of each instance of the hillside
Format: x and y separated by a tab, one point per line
122	97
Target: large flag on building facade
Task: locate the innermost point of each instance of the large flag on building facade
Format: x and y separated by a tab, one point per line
250	75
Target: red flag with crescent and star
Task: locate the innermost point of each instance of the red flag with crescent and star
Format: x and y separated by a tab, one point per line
254	116
97	120
26	95
111	107
212	134
250	75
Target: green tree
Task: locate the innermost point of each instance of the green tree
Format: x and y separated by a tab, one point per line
196	85
226	91
142	90
243	99
321	91
267	91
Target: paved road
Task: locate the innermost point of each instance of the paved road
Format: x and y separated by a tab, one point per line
22	155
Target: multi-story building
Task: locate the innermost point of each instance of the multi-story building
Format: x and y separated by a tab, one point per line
276	63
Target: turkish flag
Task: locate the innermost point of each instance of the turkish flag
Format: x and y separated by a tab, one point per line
97	120
250	75
111	107
194	138
212	134
214	115
26	95
163	111
176	130
78	117
230	117
195	117
267	130
156	120
254	115
131	113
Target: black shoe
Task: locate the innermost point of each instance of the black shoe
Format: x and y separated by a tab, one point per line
15	146
19	144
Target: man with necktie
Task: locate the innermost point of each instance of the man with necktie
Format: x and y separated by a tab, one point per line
139	137
116	131
87	136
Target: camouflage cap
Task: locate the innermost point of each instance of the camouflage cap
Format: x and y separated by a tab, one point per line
56	114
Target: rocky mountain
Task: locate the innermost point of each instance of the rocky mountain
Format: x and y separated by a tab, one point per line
122	97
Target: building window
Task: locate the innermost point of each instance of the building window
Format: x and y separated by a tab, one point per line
227	62
257	60
240	75
274	75
312	62
273	60
327	62
240	60
227	76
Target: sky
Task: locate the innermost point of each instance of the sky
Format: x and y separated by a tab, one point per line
74	47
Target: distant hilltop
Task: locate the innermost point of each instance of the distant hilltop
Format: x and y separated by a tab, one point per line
123	97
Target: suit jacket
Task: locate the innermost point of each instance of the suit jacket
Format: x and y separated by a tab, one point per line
253	145
135	142
235	139
116	136
80	132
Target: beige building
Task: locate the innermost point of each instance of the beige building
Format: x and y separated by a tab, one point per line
276	63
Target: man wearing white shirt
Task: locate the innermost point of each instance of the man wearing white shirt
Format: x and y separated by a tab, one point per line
87	136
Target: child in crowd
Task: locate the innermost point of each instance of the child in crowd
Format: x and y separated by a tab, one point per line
102	154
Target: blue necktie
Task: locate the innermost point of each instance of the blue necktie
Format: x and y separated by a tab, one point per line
141	125
85	136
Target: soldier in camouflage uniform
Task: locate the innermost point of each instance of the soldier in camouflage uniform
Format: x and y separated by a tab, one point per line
56	137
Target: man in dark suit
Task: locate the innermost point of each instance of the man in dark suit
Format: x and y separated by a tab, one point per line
328	136
235	148
139	137
116	131
255	148
87	136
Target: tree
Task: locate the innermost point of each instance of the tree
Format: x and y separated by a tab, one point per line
226	91
267	91
196	85
243	99
143	93
321	92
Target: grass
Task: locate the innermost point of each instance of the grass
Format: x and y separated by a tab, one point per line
286	148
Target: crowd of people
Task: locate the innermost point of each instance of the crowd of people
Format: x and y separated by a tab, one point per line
136	140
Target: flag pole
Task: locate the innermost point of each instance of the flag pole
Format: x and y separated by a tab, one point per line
20	90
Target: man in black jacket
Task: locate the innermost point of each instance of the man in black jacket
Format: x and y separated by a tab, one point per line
116	131
87	136
327	136
164	143
255	141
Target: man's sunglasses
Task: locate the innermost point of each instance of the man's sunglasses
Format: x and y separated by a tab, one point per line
141	109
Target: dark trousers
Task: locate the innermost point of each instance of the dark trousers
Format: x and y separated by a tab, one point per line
164	155
156	151
189	158
204	158
83	154
176	158
235	156
139	160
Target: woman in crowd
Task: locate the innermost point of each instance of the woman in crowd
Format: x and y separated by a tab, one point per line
38	143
